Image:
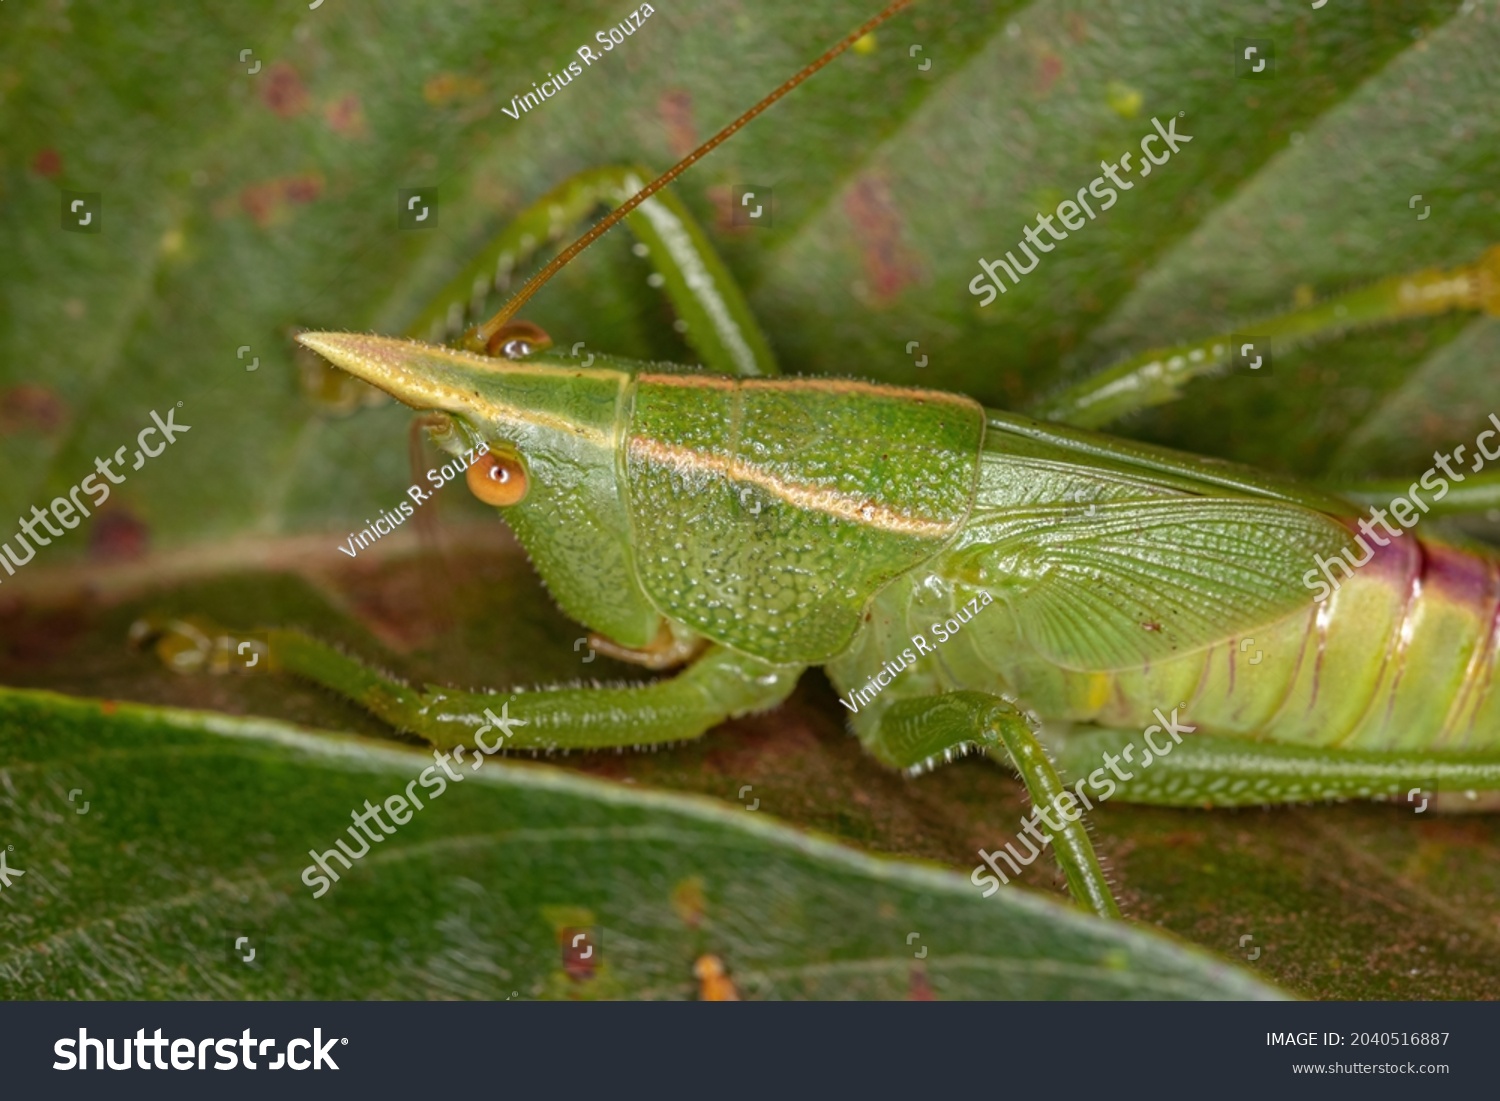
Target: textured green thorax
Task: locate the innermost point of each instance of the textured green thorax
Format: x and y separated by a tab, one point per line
767	512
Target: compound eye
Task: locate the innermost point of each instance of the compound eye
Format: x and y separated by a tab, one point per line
516	339
498	480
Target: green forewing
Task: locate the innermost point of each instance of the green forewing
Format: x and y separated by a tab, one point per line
1140	581
767	512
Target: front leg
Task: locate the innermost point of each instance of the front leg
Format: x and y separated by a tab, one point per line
719	685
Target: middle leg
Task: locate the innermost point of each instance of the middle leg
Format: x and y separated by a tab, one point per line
914	732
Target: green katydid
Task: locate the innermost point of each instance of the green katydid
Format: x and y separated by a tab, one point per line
746	526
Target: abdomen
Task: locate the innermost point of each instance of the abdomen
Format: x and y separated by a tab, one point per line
1405	655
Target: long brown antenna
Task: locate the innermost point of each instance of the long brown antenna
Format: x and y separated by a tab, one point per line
483	334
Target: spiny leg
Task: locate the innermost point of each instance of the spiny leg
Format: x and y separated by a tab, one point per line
718	686
914	732
1157	376
719	324
1209	771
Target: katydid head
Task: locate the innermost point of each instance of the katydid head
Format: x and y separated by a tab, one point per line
550	465
760	514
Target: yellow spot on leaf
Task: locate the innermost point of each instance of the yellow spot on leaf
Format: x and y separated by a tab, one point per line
1123	100
446	87
713	981
865	44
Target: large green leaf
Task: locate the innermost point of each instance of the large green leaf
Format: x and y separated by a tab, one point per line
181	833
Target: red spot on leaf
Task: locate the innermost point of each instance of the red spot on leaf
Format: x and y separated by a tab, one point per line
47	163
109	707
1048	69
29	406
283	90
580	954
676	108
117	536
302	189
918	988
259	201
889	265
266	200
346	116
